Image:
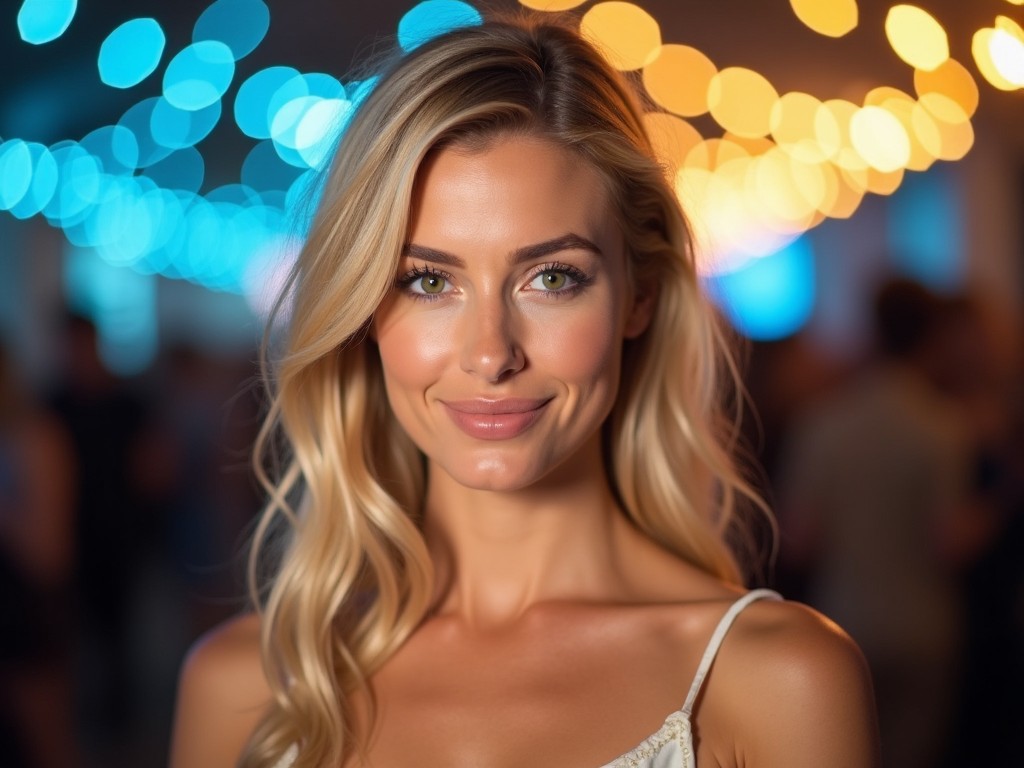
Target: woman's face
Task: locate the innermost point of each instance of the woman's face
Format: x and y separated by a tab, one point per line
501	341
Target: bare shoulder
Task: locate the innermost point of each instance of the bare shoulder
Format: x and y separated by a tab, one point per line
791	688
222	693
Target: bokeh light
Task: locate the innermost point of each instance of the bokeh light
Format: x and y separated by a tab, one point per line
40	21
252	102
431	18
131	53
951	79
916	36
15	172
832	18
770	297
241	25
678	78
741	101
627	35
199	75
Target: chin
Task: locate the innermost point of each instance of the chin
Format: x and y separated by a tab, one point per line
495	475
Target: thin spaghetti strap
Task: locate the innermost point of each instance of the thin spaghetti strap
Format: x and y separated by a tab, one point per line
716	641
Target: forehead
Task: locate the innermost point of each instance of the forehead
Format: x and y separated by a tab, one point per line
513	191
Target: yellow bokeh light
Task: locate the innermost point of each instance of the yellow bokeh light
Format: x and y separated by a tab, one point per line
981	49
1007	51
712	153
741	101
832	18
552	5
926	130
956	135
793	122
880	139
756	145
884	182
922	150
1007	24
849	194
678	79
627	35
773	191
877	97
672	137
832	128
952	80
916	37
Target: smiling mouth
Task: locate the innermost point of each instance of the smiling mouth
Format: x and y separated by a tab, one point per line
495	419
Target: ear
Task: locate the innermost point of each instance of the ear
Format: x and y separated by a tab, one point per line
642	310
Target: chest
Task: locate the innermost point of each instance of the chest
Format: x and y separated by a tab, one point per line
569	698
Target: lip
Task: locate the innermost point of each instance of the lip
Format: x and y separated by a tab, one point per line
504	419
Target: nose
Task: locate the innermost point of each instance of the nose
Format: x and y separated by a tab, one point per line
491	349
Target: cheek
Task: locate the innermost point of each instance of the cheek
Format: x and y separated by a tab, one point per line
582	348
412	350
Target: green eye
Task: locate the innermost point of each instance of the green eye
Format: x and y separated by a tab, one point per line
553	281
432	284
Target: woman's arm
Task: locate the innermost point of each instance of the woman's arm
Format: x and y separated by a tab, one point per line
221	696
794	691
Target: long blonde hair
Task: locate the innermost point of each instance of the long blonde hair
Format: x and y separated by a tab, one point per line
351	577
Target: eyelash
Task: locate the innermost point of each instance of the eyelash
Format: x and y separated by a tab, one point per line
580	280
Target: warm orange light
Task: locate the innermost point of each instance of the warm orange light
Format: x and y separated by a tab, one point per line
956	135
884	182
678	79
626	34
952	80
922	153
793	123
712	153
832	18
833	131
981	49
741	101
880	139
916	36
1007	51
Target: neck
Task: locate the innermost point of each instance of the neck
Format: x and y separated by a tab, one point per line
498	553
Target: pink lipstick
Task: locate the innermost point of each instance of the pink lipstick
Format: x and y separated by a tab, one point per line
495	419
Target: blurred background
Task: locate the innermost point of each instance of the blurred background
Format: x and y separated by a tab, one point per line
854	172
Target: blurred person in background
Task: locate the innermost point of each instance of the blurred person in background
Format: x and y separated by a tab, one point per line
37	552
106	420
876	508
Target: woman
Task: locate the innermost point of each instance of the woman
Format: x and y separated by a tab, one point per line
519	555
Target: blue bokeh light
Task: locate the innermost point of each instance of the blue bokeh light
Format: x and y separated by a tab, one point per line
265	171
199	75
115	147
175	128
770	297
15	172
40	21
240	24
43	185
252	103
139	120
318	130
131	53
432	18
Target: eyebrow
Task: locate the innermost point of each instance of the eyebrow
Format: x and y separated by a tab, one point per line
566	242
